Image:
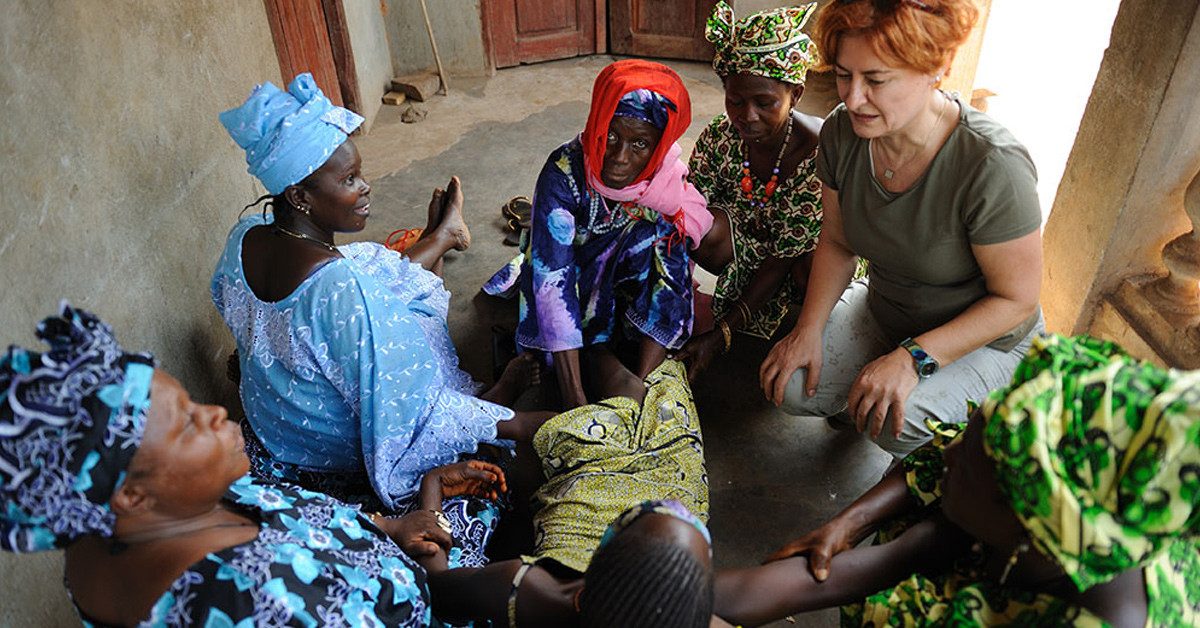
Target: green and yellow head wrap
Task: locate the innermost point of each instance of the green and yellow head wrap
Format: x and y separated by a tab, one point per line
768	43
1098	453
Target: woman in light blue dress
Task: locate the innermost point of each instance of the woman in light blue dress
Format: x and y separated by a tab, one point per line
349	380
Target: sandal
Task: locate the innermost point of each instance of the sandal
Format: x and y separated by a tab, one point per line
517	212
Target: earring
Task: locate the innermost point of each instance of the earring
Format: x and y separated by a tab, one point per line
1012	560
303	209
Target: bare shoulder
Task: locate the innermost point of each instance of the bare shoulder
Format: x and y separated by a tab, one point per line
809	124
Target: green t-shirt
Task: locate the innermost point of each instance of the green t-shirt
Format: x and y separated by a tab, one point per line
980	188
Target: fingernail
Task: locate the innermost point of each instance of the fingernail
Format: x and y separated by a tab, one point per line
821	575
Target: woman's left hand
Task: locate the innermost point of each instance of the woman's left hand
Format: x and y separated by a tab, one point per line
882	386
418	534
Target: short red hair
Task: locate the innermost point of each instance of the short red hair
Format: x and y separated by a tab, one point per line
920	35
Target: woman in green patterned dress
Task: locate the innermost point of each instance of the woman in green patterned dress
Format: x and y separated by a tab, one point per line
756	165
1071	498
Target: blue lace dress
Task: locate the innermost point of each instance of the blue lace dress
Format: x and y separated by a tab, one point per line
352	378
316	562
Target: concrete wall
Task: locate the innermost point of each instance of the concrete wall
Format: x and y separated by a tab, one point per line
372	58
1119	200
117	188
458	27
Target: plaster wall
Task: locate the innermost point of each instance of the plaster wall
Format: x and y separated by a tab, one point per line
372	58
457	26
117	188
1119	199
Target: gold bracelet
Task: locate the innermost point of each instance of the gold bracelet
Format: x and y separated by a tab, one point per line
726	334
745	310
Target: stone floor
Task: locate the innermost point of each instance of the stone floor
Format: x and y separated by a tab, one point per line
772	476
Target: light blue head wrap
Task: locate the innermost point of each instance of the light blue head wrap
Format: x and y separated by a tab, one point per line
288	135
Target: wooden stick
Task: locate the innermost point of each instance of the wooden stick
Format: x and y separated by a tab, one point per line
432	42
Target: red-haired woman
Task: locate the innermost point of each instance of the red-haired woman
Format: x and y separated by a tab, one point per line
941	200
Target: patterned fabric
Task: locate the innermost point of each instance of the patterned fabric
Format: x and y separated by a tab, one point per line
768	43
315	562
589	264
645	105
71	420
354	372
602	458
288	135
787	228
638	87
668	507
1117	434
1099	454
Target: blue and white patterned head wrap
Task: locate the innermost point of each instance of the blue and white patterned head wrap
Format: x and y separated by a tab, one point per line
71	420
288	135
643	104
669	507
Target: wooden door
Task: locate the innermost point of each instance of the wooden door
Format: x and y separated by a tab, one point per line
672	29
311	36
528	31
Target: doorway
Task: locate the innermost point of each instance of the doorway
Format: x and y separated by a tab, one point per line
311	36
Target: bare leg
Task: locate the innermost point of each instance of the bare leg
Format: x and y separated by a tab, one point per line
519	375
523	425
610	378
450	233
650	356
716	249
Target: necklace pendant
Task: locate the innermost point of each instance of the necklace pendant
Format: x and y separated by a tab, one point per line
747	184
888	173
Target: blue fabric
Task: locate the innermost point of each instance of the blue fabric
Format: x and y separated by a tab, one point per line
71	419
316	562
588	265
645	105
354	371
288	135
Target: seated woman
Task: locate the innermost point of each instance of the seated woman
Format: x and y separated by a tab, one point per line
106	456
349	380
599	459
942	201
756	165
613	218
1071	498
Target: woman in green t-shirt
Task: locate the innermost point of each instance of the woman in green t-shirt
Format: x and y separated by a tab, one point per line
942	201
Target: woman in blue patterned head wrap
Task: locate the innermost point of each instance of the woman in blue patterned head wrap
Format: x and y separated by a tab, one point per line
349	380
104	455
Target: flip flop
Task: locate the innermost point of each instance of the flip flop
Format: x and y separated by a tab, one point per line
518	207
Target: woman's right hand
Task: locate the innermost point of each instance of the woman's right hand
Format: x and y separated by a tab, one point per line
820	546
799	349
698	353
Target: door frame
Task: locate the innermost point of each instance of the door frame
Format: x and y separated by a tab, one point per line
339	42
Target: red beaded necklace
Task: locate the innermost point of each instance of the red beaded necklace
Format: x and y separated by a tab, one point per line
748	180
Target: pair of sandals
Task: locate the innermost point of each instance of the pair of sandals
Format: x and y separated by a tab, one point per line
516	212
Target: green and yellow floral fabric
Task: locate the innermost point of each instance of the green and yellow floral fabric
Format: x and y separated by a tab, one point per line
787	227
769	43
1099	454
1089	444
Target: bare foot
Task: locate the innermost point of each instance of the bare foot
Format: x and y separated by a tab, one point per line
521	373
434	214
452	223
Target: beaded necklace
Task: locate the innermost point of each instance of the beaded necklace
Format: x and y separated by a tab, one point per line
748	180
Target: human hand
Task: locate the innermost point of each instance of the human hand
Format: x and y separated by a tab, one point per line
798	349
469	477
698	353
820	546
420	534
884	384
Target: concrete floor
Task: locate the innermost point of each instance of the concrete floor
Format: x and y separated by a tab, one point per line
772	476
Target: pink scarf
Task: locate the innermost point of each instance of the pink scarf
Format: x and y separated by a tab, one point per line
667	192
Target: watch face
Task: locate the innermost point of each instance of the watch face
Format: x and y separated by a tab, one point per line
927	368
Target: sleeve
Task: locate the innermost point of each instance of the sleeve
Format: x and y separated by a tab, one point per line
706	164
828	145
552	256
375	353
923	467
1002	198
